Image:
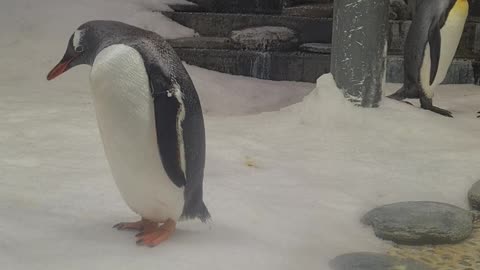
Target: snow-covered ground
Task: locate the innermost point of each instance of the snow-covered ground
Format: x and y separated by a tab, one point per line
314	167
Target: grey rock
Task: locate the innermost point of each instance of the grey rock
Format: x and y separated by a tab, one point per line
474	196
374	261
202	43
420	223
265	38
324	48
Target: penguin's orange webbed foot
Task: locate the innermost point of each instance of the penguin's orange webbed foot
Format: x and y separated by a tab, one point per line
154	237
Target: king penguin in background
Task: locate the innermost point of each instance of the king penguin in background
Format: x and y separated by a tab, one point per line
150	121
431	44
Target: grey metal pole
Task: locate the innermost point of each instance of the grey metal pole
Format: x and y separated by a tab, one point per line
359	49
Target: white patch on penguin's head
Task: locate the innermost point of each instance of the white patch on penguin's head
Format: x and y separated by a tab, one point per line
77	38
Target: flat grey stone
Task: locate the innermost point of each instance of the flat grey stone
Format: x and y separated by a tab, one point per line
324	48
374	261
420	223
265	38
474	196
202	42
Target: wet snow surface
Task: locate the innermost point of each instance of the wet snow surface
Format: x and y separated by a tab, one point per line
286	184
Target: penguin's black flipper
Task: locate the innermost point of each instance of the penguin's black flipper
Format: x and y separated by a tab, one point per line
166	112
172	94
435	41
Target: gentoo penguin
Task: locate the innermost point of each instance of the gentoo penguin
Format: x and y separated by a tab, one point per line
150	121
431	44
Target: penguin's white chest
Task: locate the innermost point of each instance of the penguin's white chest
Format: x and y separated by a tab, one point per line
126	119
451	34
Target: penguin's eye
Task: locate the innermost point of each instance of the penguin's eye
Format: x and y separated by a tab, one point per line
79	49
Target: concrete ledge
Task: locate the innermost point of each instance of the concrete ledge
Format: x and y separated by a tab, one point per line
311	29
462	71
469	44
303	66
221	25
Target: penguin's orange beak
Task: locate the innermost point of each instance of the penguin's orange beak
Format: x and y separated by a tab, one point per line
60	68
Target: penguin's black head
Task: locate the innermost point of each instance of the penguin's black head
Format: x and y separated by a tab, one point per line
81	49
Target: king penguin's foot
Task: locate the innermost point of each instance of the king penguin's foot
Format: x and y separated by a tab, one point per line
441	111
154	236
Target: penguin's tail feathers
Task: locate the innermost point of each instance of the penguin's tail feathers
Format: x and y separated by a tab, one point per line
198	210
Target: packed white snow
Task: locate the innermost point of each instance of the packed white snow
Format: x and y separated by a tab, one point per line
286	181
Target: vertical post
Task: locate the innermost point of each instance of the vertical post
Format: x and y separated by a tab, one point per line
359	49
